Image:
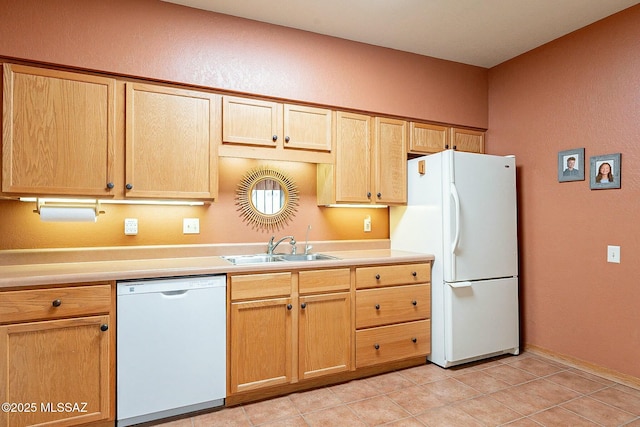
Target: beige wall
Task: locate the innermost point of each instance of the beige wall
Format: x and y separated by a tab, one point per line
582	90
162	41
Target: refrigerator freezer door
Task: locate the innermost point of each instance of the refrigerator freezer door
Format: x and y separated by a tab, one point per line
479	207
481	318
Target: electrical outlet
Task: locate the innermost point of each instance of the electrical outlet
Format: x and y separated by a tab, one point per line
191	226
613	254
367	224
130	226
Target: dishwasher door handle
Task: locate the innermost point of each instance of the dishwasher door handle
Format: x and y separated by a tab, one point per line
174	293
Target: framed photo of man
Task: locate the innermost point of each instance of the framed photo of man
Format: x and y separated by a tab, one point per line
571	165
604	171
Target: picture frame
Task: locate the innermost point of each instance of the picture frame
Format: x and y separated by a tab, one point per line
601	179
571	165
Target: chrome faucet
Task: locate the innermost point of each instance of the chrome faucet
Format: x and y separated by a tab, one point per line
307	246
272	246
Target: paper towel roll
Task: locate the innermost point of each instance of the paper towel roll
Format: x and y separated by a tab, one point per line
51	214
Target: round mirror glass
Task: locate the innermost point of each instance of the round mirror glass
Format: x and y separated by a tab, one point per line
268	196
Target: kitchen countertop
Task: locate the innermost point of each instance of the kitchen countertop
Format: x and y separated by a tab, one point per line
53	273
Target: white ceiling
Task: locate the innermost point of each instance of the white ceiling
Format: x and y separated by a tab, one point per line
476	32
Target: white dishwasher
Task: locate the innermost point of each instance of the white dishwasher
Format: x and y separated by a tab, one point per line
171	347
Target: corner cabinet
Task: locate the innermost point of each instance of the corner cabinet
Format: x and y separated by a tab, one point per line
58	349
262	129
172	137
370	165
58	132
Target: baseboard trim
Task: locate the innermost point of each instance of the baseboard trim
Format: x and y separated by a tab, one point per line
592	368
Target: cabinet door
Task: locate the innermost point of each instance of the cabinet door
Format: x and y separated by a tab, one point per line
324	334
353	158
251	122
467	140
55	362
58	132
390	161
426	138
171	142
260	344
307	128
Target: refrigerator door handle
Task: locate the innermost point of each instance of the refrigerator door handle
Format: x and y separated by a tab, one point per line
460	285
456	200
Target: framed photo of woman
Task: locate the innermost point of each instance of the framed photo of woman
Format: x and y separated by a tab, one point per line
571	165
605	171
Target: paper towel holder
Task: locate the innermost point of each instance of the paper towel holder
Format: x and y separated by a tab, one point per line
63	203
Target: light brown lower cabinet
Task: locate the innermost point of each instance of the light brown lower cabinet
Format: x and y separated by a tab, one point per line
277	339
294	330
56	370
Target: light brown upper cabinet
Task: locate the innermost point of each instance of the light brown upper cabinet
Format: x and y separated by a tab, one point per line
467	140
269	130
390	161
427	138
370	165
171	140
58	132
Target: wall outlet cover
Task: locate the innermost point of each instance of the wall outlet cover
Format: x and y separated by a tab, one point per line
191	226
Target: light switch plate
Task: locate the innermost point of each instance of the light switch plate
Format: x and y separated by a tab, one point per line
613	254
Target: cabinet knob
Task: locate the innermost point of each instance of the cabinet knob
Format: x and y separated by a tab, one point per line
455	147
446	146
379	195
377	306
414	273
415	340
56	303
275	138
303	305
289	306
414	302
129	186
369	195
110	185
287	139
104	327
376	346
377	277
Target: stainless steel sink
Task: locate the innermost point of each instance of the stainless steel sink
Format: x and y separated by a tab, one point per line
307	257
253	259
264	258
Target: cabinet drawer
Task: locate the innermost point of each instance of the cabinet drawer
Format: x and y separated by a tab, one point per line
20	306
389	275
394	342
315	281
252	286
396	304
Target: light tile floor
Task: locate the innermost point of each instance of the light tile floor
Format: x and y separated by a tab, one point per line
518	391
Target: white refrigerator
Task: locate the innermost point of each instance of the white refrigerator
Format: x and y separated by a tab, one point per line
462	209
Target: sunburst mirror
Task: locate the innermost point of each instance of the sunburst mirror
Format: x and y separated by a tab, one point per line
267	198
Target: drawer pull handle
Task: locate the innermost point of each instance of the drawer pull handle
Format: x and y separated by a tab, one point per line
414	273
377	306
104	327
414	302
376	346
303	305
289	306
56	303
414	340
377	277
